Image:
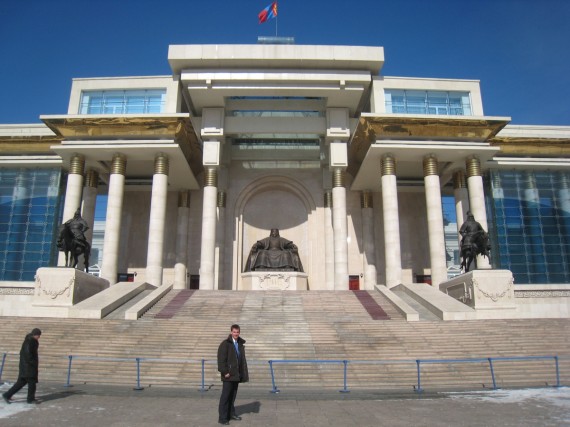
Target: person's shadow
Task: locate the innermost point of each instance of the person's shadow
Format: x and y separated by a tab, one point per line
248	408
59	395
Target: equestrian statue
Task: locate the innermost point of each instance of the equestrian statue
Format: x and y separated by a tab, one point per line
474	241
72	241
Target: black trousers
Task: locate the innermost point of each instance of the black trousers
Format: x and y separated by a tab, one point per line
226	408
18	385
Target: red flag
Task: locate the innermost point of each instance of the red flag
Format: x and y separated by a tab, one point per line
268	13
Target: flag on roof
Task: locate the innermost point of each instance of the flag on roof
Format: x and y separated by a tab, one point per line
268	13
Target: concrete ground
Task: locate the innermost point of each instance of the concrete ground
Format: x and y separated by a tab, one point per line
100	405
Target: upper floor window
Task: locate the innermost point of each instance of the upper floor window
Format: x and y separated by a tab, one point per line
142	101
439	103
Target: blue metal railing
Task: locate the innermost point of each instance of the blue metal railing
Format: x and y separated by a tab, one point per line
491	361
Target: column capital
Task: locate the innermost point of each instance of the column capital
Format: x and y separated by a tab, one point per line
184	199
430	165
459	179
388	165
366	200
161	164
211	177
119	164
92	178
328	199
77	164
339	178
221	201
473	166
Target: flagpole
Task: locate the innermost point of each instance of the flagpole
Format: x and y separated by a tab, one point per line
276	25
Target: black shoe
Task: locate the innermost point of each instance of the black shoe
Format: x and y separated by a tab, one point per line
225	423
6	399
236	417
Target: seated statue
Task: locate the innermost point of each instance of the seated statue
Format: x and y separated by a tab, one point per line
274	253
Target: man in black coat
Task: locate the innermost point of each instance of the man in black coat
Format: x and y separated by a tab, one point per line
232	366
29	363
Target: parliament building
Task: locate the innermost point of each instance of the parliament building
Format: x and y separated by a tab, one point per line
370	176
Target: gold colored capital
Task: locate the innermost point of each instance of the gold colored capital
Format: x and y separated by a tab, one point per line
184	199
211	177
221	199
328	199
459	179
473	167
161	164
77	164
366	199
92	179
119	164
338	178
430	165
388	165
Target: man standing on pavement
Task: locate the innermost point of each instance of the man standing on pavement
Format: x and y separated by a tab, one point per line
29	363
232	366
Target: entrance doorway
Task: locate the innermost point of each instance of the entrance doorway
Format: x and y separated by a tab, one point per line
353	283
194	281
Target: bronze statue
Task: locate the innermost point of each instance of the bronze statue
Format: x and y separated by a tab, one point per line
474	241
274	253
72	240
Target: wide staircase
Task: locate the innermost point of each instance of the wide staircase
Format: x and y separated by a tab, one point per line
186	327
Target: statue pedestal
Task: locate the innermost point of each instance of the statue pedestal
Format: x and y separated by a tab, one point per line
274	281
483	289
65	287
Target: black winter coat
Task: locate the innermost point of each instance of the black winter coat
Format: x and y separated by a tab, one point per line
29	360
228	361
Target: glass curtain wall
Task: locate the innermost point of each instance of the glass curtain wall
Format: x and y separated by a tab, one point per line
531	224
29	211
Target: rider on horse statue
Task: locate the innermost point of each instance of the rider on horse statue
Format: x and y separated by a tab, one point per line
72	239
474	241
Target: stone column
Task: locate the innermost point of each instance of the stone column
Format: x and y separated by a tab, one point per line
180	268
477	200
368	240
435	222
208	248
392	252
110	262
329	242
88	207
72	192
340	231
157	220
220	240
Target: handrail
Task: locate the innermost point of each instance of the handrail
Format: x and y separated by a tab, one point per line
203	362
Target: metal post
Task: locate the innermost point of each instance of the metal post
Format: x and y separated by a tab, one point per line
2	367
419	389
138	387
557	372
345	389
492	373
275	390
203	374
69	371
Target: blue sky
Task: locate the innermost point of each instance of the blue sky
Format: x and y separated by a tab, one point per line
518	49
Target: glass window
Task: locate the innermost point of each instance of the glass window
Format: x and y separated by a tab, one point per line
143	101
442	103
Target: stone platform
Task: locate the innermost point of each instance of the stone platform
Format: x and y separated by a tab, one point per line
274	281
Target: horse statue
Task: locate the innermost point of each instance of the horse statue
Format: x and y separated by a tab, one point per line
474	244
72	241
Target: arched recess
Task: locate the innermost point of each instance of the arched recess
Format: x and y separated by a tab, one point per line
275	201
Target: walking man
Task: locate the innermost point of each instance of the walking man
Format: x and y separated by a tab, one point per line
28	373
232	366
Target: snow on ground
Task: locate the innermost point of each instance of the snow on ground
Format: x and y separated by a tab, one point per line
555	396
17	406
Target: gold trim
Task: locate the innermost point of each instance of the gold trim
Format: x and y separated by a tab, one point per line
221	199
184	199
338	178
430	165
119	164
92	179
161	164
388	165
328	198
459	179
211	177
77	164
366	199
473	167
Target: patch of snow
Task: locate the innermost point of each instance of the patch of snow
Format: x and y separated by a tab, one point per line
555	396
15	407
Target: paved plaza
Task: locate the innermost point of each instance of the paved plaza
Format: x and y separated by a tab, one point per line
97	405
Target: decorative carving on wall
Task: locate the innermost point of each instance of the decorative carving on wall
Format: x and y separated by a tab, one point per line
493	296
274	281
16	291
55	293
542	294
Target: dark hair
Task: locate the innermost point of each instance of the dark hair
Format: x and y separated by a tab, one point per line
235	326
36	332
